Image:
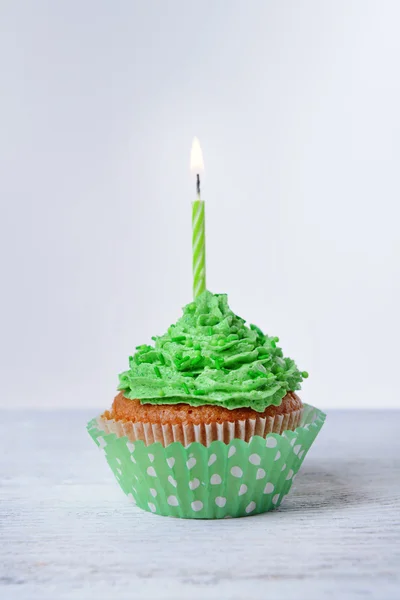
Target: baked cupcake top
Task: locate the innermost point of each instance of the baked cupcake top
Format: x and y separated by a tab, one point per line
211	357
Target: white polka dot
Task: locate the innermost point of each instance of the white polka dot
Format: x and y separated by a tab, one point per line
151	457
255	459
119	471
171	462
297	449
118	461
260	474
151	471
133	458
172	501
194	484
151	506
197	505
269	488
242	490
172	481
271	442
275	499
250	507
102	442
278	455
232	451
215	479
220	501
153	492
301	454
306	426
236	471
190	463
289	475
283	467
130	446
212	459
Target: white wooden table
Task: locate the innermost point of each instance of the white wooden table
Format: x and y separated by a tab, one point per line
67	531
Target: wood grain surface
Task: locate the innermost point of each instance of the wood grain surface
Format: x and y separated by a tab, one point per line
68	532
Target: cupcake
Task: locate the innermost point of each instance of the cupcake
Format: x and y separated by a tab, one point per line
207	422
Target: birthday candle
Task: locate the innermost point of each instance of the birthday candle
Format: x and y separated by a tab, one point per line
198	225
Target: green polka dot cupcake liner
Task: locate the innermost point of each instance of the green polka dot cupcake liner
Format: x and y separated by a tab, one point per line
217	481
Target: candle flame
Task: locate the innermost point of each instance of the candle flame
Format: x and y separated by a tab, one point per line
196	157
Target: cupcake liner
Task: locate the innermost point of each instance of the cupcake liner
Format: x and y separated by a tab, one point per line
205	434
210	482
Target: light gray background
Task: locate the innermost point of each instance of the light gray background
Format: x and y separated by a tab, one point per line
296	104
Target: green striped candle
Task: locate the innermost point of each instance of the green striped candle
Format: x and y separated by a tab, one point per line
199	248
198	226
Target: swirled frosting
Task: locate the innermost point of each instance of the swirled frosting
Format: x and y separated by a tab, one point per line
211	357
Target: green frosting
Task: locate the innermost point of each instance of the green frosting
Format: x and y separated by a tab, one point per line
210	357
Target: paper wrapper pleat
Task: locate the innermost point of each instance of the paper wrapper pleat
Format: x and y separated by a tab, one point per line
214	481
205	434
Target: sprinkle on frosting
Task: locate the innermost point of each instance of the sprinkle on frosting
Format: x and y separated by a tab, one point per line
211	357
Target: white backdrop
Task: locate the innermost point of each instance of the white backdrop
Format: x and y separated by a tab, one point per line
296	104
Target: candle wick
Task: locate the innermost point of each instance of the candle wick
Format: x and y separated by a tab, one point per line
198	185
